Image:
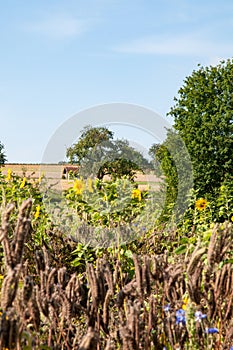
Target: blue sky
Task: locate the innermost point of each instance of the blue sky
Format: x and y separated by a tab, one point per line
61	57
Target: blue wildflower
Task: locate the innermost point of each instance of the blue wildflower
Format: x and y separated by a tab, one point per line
231	348
199	316
167	308
211	330
180	317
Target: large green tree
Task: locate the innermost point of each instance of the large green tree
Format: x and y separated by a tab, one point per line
2	154
203	116
98	154
89	140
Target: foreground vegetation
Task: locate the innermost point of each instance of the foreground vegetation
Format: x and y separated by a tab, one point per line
170	288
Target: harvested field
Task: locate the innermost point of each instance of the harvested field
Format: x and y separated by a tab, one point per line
55	172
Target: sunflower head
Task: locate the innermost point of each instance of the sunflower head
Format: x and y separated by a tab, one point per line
201	204
136	194
79	186
37	213
9	175
23	183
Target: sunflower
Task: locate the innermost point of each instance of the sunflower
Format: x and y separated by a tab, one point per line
201	203
23	183
9	175
79	186
136	194
37	213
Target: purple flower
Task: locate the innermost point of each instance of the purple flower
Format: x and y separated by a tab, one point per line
199	316
231	348
211	330
180	317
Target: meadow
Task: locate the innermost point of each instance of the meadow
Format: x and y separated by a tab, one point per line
97	268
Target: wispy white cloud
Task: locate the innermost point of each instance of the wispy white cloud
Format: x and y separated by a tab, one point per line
59	26
177	45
